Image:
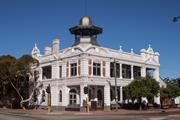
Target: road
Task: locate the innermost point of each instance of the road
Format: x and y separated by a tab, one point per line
26	116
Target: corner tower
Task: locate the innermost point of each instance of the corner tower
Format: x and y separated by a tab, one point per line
85	32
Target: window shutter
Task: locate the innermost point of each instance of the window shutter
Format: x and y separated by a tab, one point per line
79	67
67	69
104	69
89	67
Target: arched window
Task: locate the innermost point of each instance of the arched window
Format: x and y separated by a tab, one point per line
60	96
72	97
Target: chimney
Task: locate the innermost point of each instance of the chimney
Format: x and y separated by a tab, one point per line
47	50
56	45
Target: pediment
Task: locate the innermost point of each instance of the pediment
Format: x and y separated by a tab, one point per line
151	60
72	51
94	49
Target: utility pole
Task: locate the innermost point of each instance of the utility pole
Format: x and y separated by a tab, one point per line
115	78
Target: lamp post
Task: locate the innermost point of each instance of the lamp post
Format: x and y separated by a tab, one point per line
175	19
115	85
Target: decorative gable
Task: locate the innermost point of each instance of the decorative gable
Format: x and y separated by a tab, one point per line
151	60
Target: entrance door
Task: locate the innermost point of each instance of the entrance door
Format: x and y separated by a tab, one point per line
100	103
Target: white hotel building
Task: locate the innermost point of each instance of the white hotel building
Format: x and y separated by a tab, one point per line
86	63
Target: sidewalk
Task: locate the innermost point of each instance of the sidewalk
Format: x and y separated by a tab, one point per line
99	112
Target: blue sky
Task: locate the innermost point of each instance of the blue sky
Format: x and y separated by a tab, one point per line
130	23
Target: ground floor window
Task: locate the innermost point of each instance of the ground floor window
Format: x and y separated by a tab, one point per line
112	95
118	94
100	98
72	97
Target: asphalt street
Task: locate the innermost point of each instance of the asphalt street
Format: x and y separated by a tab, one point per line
26	116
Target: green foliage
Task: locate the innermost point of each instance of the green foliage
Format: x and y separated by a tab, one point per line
24	62
7	68
14	71
171	91
142	87
174	81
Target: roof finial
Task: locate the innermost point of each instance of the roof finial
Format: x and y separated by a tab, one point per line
35	45
35	51
132	51
150	50
120	48
149	45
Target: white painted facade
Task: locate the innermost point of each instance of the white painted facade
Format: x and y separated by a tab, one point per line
84	55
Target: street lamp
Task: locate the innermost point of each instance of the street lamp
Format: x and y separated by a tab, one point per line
175	19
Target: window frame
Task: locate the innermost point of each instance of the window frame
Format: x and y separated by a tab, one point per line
73	69
45	70
96	69
117	70
73	97
136	71
126	71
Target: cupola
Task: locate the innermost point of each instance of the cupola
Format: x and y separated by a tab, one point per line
85	32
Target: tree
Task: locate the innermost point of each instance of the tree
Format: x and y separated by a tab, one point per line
15	74
174	81
142	87
7	68
25	71
170	92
